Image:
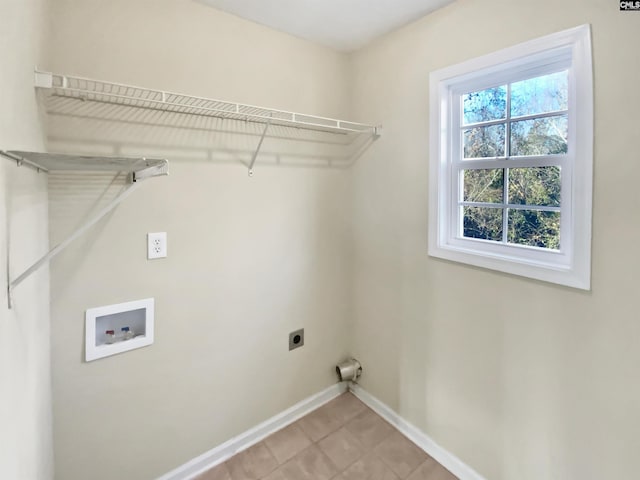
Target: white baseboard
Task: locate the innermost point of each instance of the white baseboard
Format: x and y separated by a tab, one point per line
417	436
245	440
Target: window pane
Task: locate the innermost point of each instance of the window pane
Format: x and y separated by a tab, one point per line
484	185
539	136
548	93
534	186
486	105
534	228
484	141
484	223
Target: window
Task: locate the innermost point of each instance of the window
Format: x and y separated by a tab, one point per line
511	160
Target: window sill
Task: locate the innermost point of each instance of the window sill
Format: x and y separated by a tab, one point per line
536	269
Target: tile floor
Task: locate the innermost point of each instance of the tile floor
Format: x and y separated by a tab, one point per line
342	440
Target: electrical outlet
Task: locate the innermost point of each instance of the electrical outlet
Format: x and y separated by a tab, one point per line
156	245
296	339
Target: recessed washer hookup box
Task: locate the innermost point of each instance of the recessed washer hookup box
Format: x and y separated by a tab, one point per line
118	328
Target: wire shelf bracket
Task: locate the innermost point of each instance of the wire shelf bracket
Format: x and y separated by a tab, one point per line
138	168
255	154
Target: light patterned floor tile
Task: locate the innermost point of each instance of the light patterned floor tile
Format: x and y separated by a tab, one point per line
252	464
310	464
369	428
342	448
432	470
400	454
319	423
287	442
369	467
343	440
345	407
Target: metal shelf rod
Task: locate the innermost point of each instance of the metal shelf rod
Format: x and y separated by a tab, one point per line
23	161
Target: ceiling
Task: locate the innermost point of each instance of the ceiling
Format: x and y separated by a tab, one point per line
340	24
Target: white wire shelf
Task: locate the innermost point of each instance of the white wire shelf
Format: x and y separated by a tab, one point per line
138	168
68	86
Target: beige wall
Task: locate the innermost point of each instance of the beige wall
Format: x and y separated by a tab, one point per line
250	259
521	379
26	451
518	378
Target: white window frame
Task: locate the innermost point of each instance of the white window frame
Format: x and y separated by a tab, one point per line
571	265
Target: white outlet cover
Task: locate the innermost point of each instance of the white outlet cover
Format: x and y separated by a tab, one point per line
156	245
